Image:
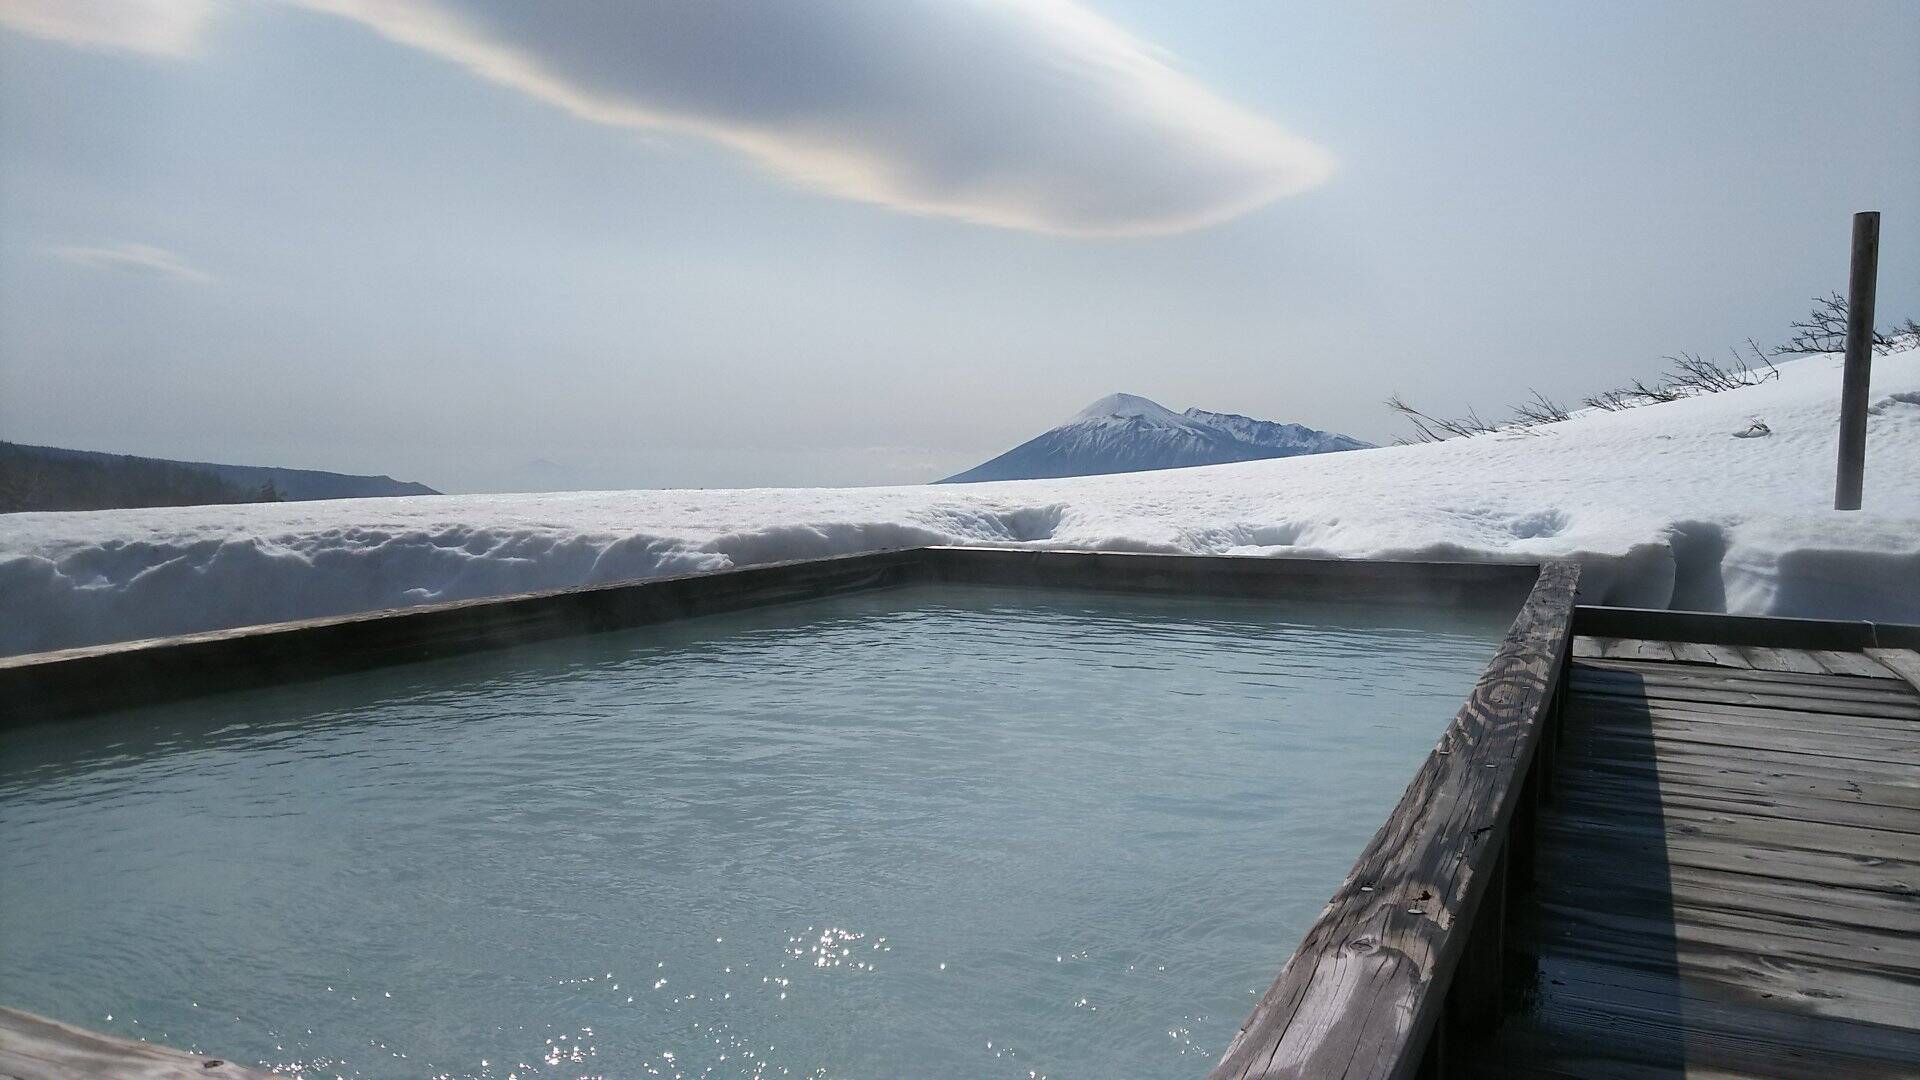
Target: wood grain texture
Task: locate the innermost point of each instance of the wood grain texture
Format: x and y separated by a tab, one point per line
1902	662
1724	890
1800	660
1364	991
1841	662
36	1048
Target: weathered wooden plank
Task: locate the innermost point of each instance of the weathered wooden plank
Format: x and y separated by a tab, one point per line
1842	662
1567	876
1655	678
1732	962
1619	710
1839	703
1693	652
36	1048
1723	675
1706	729
1600	1021
1882	735
1726	655
1729	778
1902	662
1866	956
1728	879
1363	992
1674	801
1751	836
1825	723
1770	659
1888	775
1845	871
1635	649
1589	646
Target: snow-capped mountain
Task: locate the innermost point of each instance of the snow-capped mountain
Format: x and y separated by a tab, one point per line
1125	433
1296	438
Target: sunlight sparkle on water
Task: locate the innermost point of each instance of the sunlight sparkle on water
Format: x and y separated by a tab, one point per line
944	833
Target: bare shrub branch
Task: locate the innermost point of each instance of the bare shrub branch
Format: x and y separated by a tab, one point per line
1824	330
1540	409
1434	429
1688	375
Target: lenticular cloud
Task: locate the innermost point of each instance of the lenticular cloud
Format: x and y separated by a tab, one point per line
1027	114
157	27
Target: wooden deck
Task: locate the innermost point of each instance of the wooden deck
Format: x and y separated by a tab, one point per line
1712	870
1727	875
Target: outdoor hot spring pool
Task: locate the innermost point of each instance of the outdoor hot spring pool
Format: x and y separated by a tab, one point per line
922	832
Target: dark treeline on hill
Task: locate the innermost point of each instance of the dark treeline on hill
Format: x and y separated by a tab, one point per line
51	478
31	479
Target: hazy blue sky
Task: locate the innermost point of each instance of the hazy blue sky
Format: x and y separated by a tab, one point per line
829	241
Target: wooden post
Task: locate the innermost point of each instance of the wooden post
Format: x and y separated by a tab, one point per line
1853	384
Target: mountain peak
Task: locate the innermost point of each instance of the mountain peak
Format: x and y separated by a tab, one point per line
1127	405
1129	433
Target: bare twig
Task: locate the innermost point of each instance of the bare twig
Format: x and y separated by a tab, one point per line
1824	330
1688	375
1540	409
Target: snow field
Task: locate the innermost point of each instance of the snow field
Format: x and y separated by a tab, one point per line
1661	503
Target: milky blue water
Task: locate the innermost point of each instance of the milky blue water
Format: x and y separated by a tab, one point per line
953	832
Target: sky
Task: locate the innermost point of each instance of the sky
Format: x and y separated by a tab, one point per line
495	246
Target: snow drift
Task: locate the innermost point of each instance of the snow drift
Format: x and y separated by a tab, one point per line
1661	503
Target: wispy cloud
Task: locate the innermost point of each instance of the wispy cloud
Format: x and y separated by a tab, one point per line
1029	114
162	27
133	258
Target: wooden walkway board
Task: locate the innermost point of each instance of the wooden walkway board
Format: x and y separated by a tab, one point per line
36	1048
1868	664
1727	881
1902	662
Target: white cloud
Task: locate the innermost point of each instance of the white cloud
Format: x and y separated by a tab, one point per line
162	27
133	258
1028	114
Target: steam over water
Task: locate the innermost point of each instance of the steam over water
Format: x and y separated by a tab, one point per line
920	833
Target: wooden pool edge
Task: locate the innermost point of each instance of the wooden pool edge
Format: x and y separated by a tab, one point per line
33	1047
66	683
1401	975
1394	949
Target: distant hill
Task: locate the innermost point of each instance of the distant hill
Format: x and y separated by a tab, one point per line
1124	433
52	478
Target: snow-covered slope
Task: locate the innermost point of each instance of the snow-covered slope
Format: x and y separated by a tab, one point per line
1126	433
1661	503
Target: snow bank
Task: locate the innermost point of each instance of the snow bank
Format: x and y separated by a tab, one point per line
1662	503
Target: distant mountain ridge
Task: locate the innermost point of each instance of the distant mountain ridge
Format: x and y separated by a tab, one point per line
1127	433
55	478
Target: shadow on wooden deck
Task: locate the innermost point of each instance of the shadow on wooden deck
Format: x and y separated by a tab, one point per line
1592	951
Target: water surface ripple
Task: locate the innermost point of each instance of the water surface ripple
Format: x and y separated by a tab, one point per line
916	833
